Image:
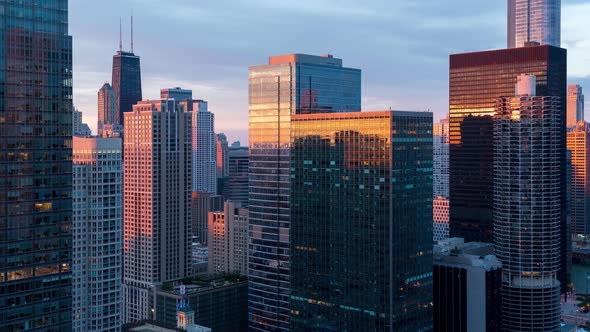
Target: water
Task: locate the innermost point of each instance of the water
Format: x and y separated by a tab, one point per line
580	273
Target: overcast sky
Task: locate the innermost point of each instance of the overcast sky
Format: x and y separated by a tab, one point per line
402	46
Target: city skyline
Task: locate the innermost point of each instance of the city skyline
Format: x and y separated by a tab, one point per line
221	57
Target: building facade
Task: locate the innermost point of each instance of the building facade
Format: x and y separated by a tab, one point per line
177	93
575	105
359	180
236	187
466	287
126	82
204	148
527	207
98	234
440	169
35	166
228	240
288	84
79	127
157	201
202	204
534	21
578	143
222	156
440	218
107	108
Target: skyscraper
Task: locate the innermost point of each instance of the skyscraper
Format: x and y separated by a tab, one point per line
578	143
440	218
534	21
202	204
176	93
289	84
476	81
157	196
361	221
35	166
98	234
126	81
528	135
222	155
79	127
575	105
236	186
107	108
203	148
228	240
440	168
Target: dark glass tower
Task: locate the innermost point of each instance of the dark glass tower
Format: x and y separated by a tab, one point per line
126	82
278	90
35	166
361	221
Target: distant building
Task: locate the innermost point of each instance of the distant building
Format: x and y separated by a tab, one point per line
222	155
126	81
79	128
157	195
440	218
575	105
201	205
220	303
466	287
177	94
228	240
361	180
534	21
578	143
204	147
528	207
440	167
98	234
107	108
236	187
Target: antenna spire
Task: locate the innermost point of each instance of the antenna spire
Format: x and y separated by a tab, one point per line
120	34
131	30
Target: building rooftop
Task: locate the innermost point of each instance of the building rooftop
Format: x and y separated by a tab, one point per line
204	283
455	252
325	59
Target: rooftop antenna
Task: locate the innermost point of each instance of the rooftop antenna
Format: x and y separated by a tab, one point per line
131	30
120	34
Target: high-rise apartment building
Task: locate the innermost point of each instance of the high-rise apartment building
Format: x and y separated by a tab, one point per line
440	218
202	204
528	135
578	143
361	221
440	169
126	81
107	108
466	287
228	240
575	105
534	21
98	234
236	187
35	166
157	200
204	147
287	85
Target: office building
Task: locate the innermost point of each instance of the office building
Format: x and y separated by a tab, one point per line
157	200
126	80
177	93
476	81
466	287
107	108
98	234
236	186
222	155
79	128
360	180
534	21
35	166
527	206
202	204
578	144
288	84
440	218
228	240
440	169
575	105
218	302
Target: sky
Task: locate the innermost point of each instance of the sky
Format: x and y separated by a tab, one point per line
401	46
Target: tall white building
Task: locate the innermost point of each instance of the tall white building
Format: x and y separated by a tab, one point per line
527	179
157	196
204	148
440	218
534	21
440	159
575	105
98	234
228	240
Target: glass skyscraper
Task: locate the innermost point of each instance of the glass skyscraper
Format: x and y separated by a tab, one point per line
361	221
289	84
534	21
126	82
35	166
